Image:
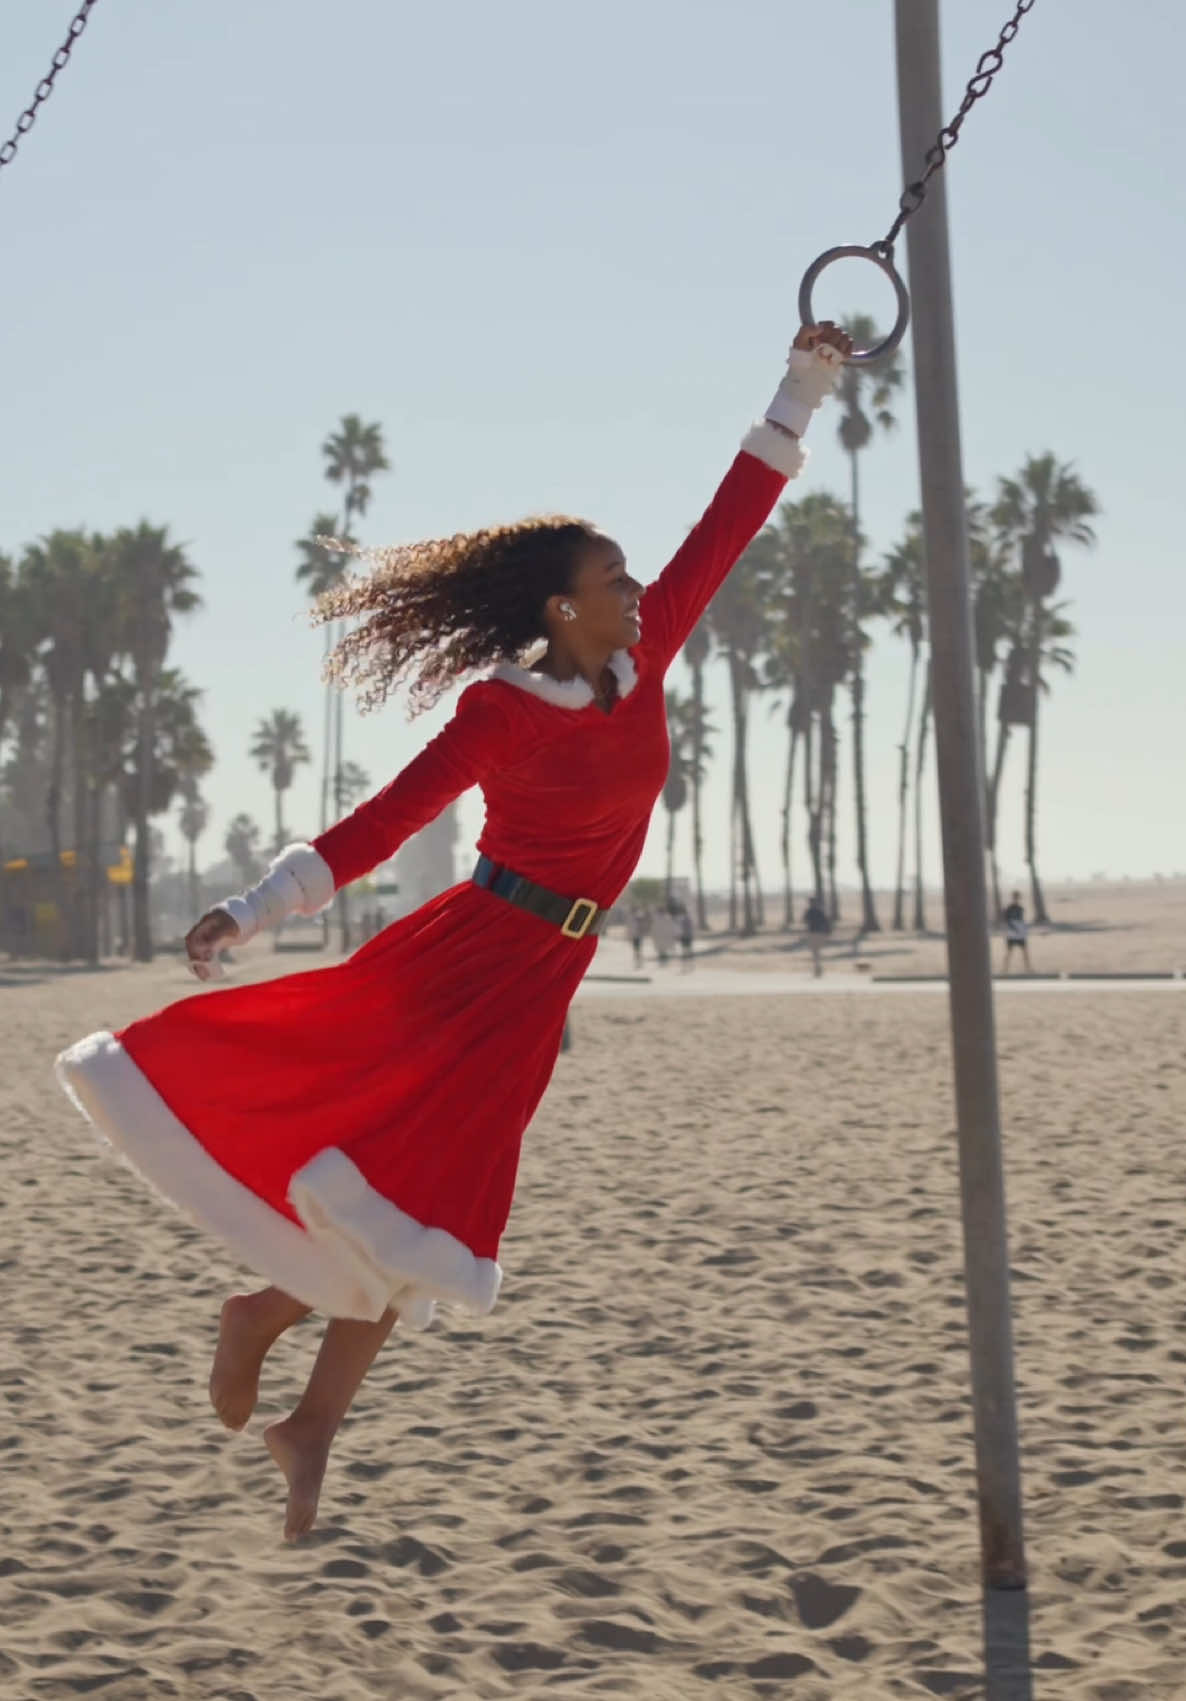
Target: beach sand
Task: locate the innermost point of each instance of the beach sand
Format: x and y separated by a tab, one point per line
715	1438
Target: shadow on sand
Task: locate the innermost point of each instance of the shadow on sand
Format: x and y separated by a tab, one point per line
1007	1645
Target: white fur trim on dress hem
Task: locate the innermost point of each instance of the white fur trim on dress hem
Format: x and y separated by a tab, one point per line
568	693
782	454
338	1205
336	1263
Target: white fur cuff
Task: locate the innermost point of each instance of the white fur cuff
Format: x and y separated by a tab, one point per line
785	455
811	375
299	882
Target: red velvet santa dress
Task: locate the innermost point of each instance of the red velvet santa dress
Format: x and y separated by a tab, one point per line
352	1133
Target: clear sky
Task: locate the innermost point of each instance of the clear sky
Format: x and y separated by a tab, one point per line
555	251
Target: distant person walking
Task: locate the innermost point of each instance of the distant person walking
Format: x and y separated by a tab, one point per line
686	937
639	925
815	920
663	933
1016	935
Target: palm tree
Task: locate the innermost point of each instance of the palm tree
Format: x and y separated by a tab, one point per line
154	578
873	384
920	762
193	818
808	581
57	572
319	571
998	615
1052	627
904	603
690	732
675	787
181	753
278	747
738	619
242	846
1045	503
353	455
696	653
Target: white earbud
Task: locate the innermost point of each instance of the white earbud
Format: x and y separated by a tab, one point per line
568	611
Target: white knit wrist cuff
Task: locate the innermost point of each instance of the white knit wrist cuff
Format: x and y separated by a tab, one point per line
811	375
299	882
785	455
242	915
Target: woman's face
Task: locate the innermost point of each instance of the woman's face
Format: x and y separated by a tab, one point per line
604	598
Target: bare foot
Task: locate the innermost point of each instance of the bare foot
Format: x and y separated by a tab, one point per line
302	1456
238	1358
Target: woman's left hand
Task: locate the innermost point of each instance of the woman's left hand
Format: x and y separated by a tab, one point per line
810	336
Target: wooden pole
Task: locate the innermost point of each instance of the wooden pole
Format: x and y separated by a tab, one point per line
961	792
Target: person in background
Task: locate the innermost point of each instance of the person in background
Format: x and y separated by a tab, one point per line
686	936
815	920
1016	934
638	924
663	933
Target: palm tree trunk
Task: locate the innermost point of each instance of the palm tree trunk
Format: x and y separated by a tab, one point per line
96	870
195	898
904	794
141	926
755	916
788	793
811	795
670	875
920	907
80	930
53	814
744	836
279	835
1031	779
869	921
697	769
994	793
733	839
830	745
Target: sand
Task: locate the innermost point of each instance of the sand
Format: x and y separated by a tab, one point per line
714	1440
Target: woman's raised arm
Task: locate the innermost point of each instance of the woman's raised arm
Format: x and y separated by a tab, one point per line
770	455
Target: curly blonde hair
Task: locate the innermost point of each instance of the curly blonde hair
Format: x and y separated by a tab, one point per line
434	611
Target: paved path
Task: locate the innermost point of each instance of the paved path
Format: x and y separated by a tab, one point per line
613	975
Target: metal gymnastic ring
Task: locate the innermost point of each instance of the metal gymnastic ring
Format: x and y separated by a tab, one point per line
885	263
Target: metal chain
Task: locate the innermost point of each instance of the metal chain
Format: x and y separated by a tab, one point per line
987	66
45	87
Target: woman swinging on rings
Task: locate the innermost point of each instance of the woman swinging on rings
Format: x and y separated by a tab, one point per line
353	1133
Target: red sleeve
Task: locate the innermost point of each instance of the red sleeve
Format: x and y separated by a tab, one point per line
674	603
476	742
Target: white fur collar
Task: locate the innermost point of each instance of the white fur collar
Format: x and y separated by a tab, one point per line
568	693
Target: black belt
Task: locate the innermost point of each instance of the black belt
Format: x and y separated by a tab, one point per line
575	917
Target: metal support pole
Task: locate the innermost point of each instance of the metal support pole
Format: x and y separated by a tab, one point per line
961	806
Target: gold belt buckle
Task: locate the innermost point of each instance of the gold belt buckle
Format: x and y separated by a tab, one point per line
582	926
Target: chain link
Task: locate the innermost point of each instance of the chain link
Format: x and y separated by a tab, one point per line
987	66
45	87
